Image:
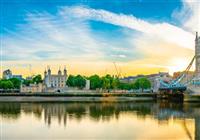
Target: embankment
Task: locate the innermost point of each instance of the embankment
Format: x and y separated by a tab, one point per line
74	97
85	97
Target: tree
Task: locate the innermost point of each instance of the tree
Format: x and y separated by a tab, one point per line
27	82
79	81
37	79
16	82
6	84
95	82
125	86
71	81
115	83
106	83
76	81
142	83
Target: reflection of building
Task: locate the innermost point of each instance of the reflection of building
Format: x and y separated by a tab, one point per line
161	113
7	74
58	111
32	88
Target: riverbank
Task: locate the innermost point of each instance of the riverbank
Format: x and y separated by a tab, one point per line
71	99
85	97
75	97
192	98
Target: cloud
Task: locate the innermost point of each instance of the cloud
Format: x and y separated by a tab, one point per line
189	15
156	41
164	31
61	36
68	36
44	33
163	54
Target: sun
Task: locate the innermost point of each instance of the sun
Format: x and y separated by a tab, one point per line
179	64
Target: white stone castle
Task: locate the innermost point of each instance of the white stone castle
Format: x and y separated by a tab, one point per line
55	80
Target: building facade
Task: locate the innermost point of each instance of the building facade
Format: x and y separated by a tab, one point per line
7	74
55	80
153	78
197	54
32	88
87	85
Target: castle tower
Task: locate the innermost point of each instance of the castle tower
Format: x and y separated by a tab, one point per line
45	73
65	72
59	72
197	54
48	77
49	71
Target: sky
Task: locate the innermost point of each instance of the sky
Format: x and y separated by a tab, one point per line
89	36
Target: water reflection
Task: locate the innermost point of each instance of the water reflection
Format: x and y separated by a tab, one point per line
162	112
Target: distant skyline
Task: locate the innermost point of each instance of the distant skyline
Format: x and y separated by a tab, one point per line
87	36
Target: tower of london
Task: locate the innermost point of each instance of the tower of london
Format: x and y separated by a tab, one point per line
55	80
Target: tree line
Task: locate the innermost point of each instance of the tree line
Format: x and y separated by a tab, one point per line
14	83
107	82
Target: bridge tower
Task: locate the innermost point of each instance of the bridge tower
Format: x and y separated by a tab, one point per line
197	54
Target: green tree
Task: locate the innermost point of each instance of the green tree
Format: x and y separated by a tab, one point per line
115	83
142	83
37	79
71	81
125	86
80	81
27	82
95	82
6	84
16	82
106	83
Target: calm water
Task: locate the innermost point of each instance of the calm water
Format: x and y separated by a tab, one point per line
99	121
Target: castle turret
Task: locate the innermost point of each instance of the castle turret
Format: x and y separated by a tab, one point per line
65	72
59	72
45	73
49	71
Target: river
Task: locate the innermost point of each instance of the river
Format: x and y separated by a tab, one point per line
136	121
